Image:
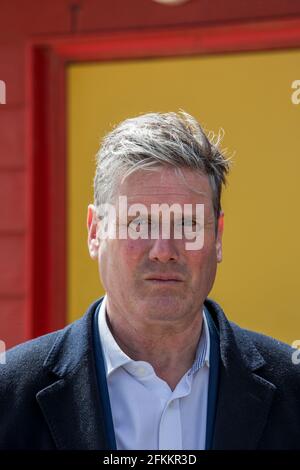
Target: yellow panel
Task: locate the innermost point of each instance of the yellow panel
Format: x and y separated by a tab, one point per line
249	95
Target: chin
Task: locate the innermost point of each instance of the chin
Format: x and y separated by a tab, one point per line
165	307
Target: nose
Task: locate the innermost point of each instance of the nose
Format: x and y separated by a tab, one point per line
163	250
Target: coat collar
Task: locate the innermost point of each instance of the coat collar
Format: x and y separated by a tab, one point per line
244	397
71	405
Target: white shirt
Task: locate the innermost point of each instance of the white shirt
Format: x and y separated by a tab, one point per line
146	413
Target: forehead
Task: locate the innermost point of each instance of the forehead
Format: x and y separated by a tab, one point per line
166	184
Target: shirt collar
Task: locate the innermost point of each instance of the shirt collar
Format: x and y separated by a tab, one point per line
202	354
113	354
115	357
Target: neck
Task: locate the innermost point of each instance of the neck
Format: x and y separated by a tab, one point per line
170	347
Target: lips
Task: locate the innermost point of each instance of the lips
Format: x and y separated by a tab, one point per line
164	278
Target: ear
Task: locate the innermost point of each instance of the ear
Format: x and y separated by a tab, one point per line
219	237
92	224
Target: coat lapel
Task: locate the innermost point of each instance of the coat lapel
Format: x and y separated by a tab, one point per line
71	405
244	397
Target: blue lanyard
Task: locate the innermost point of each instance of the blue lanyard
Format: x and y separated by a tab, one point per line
213	385
102	386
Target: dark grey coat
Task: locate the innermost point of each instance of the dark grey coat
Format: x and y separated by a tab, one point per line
49	397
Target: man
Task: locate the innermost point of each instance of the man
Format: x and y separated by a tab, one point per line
154	364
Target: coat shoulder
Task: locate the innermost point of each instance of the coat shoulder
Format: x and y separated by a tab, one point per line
21	378
53	354
33	368
24	362
280	359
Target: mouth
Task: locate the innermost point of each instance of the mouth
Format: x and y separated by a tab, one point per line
164	283
164	279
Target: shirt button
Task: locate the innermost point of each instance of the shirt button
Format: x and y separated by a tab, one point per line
141	371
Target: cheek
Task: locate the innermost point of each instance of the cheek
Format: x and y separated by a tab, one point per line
202	263
108	261
118	258
133	250
103	264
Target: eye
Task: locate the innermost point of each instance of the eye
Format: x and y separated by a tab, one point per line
186	223
191	225
137	223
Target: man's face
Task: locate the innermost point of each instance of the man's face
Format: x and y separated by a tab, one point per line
159	280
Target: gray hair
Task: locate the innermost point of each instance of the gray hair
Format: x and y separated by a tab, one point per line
154	140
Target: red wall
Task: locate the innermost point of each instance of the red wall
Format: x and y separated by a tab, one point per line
21	20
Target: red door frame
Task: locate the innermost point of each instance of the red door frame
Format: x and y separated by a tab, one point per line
46	133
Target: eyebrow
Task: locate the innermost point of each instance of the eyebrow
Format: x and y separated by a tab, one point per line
149	217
